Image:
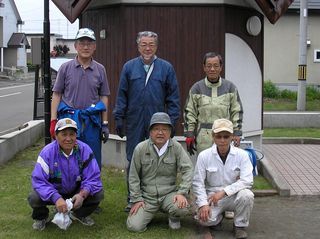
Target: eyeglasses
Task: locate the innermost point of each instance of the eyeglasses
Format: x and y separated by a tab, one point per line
162	130
89	44
218	136
144	45
209	67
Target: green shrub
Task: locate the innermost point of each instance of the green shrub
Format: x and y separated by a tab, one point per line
270	90
31	67
312	93
288	94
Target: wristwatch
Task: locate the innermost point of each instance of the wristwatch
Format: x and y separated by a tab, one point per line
105	122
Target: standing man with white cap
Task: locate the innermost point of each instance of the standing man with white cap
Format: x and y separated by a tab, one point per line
222	181
81	92
153	175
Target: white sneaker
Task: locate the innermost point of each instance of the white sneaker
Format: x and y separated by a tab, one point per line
174	223
40	224
87	221
229	214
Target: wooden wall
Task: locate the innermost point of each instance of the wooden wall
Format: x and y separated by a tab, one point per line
185	32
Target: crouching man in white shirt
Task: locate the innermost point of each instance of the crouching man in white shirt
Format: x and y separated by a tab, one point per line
222	181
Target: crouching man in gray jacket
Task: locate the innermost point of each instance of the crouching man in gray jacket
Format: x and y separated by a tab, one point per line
153	175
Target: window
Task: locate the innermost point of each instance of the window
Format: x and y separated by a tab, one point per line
316	55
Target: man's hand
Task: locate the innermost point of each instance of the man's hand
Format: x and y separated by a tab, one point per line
214	198
135	207
190	141
236	140
52	127
77	200
181	201
119	128
104	133
204	213
61	205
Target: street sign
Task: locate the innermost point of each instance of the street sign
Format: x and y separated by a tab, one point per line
72	9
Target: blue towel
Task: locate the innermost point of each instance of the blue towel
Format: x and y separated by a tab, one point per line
253	159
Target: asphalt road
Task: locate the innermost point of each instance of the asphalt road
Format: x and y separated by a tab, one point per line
16	103
277	218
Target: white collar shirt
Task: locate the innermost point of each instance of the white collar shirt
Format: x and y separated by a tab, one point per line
211	175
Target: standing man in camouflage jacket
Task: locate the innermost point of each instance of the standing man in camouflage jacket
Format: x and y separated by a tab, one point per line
209	99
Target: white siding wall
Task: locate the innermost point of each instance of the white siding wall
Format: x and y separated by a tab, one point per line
9	22
281	51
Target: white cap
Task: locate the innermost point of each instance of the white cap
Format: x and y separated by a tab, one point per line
85	32
65	123
220	125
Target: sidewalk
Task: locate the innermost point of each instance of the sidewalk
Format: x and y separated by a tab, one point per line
297	165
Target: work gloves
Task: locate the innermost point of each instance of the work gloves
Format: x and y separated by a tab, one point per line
104	133
119	128
190	141
52	128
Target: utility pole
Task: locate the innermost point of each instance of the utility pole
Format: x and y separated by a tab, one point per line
302	70
47	78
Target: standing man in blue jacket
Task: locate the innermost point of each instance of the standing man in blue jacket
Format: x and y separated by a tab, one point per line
147	85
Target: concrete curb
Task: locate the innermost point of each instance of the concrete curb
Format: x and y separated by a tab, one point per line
276	180
264	193
290	140
18	140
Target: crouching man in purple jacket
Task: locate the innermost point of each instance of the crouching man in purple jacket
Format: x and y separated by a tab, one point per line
65	168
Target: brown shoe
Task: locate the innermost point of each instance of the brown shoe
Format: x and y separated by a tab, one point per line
240	233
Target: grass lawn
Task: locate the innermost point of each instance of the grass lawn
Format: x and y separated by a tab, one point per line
16	221
292	132
288	105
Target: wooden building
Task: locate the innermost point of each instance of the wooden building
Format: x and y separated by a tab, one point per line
187	30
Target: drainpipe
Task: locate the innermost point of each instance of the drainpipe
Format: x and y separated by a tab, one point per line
1	59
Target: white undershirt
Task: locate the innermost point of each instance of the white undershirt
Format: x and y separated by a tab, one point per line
163	148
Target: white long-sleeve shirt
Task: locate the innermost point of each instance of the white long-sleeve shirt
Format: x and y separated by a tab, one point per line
211	175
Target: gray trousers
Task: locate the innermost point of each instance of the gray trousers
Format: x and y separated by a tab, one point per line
41	211
143	217
241	203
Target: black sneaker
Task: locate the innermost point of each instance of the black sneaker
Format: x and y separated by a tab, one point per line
217	227
128	207
98	210
240	233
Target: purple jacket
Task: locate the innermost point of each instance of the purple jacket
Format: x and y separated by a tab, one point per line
55	174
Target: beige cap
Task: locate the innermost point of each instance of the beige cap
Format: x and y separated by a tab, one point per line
65	123
220	125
